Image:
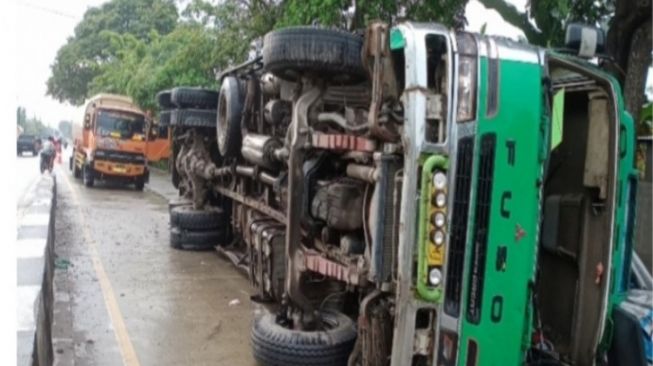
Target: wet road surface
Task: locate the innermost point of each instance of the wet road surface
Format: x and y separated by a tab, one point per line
26	173
123	296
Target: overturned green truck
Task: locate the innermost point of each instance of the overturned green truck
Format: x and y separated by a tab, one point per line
413	195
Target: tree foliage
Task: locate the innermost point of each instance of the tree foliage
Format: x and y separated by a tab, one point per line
335	12
31	125
628	38
83	56
140	47
543	21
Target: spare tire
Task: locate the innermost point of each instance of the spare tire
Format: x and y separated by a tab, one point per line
163	98
195	240
274	344
187	97
164	118
230	110
329	53
193	118
187	217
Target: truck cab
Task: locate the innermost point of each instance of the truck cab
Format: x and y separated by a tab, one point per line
415	195
110	143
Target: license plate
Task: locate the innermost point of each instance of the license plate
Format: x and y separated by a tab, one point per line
119	169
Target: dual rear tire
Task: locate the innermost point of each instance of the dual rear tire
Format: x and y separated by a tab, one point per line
192	229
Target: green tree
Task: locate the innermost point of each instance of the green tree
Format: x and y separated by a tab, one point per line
81	59
628	38
21	116
334	12
186	56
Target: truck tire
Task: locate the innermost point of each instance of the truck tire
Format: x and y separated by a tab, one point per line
195	240
332	54
230	109
179	201
187	97
163	98
188	218
164	118
87	175
276	345
77	173
193	118
140	183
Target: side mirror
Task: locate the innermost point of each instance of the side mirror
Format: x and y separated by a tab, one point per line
586	40
87	121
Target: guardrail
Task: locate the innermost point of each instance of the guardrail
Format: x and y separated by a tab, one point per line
35	266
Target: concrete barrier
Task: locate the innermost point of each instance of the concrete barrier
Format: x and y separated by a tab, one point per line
35	265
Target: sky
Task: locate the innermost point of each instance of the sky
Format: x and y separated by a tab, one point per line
43	26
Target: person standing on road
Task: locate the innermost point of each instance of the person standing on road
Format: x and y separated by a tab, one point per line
57	145
48	151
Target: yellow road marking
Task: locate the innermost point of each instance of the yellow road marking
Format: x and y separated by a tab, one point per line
127	351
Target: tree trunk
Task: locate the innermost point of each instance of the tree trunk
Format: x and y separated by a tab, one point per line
629	43
639	59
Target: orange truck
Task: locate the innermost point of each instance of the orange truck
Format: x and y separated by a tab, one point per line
158	143
110	144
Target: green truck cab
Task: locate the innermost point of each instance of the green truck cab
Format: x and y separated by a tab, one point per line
415	195
537	195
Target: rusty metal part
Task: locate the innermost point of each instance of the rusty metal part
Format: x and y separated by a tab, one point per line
259	150
267	178
251	172
351	96
342	142
196	168
339	204
378	61
341	121
374	330
270	84
363	172
265	239
251	65
316	262
277	111
249	105
252	203
237	258
298	141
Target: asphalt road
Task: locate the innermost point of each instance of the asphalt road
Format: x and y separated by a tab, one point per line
124	296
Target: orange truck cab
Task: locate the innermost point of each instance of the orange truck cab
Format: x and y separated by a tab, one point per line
159	142
110	144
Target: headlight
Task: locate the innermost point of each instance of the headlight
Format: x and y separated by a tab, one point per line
439	180
439	219
440	199
438	237
467	70
435	277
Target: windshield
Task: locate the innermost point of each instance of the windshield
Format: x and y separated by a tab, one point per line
25	138
119	124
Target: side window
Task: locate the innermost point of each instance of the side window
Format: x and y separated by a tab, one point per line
163	132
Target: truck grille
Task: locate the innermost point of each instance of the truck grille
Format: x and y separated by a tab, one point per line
480	235
120	156
458	236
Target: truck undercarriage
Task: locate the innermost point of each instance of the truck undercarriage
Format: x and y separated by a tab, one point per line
321	169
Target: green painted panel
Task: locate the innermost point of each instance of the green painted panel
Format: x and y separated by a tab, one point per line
558	118
502	333
397	40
